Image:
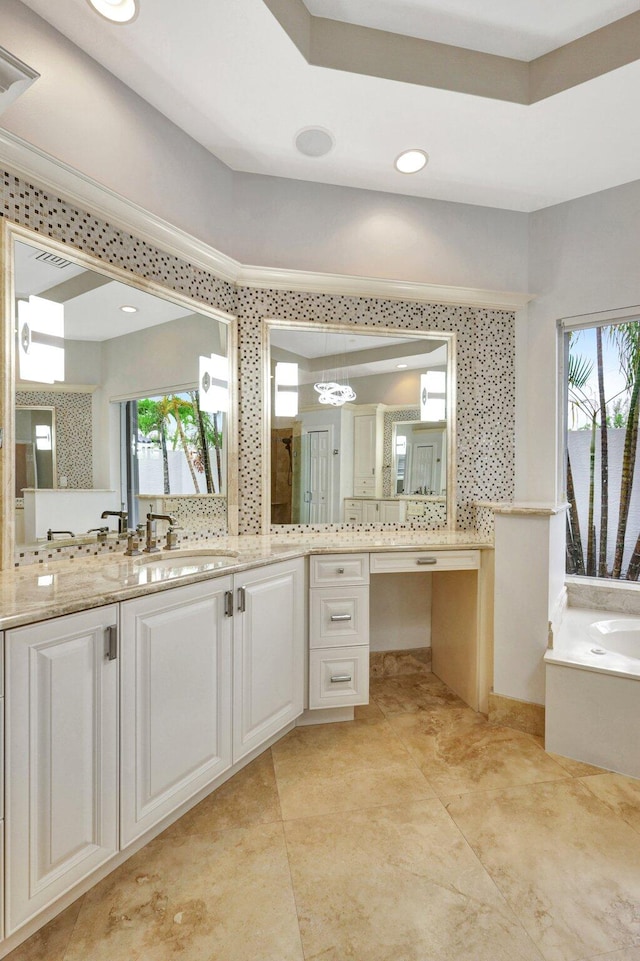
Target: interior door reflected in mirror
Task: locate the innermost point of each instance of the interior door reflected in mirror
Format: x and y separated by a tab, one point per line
122	401
360	426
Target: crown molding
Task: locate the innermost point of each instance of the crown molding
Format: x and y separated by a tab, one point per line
34	164
273	278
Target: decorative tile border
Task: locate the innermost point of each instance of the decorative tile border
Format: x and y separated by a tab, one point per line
74	431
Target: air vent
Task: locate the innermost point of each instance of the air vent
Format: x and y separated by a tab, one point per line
53	261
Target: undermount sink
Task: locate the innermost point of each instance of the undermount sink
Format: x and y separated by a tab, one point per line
154	568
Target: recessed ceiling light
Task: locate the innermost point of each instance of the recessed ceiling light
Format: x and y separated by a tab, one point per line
314	141
411	161
402	366
128	309
118	11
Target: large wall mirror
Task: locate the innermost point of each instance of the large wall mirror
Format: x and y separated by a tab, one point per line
360	426
119	399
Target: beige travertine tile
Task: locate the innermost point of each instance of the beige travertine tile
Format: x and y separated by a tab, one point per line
397	883
573	767
567	867
365	712
522	715
394	663
410	693
627	954
458	751
343	767
197	899
249	797
620	793
50	942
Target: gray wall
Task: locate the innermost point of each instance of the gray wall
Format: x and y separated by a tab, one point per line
79	113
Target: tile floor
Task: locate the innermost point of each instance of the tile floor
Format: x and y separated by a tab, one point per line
417	833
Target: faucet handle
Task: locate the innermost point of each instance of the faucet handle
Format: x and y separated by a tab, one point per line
172	540
133	541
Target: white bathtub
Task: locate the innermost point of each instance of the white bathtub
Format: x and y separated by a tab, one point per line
593	690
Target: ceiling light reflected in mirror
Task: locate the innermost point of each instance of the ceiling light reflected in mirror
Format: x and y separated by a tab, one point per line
411	161
117	11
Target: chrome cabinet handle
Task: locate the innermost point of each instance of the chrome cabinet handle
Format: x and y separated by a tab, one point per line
341	617
340	678
228	603
242	600
111	643
340	570
427	560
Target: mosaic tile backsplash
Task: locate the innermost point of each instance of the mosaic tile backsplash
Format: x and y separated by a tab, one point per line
74	433
485	345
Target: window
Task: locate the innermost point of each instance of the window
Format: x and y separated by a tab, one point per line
602	379
171	446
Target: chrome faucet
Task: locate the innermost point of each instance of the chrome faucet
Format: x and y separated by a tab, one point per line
152	544
122	519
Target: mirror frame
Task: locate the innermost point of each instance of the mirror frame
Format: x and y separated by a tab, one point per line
12	232
269	323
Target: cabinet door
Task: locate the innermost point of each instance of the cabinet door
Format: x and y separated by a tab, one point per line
175	702
364	452
371	512
390	511
62	741
268	657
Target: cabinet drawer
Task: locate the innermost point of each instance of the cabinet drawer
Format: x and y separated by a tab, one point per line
339	616
364	486
438	560
339	677
328	570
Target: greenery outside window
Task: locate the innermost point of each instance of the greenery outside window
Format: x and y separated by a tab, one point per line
602	379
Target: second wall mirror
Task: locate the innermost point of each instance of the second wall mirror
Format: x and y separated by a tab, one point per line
360	426
121	398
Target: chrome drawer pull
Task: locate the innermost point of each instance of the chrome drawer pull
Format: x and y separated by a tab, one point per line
340	678
427	560
341	617
340	570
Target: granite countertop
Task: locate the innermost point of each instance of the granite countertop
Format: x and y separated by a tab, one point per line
39	591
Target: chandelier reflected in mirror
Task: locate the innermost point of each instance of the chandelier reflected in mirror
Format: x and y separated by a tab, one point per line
334	394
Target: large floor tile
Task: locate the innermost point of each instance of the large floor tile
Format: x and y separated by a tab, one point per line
249	797
412	693
397	883
620	793
194	899
49	943
344	767
458	751
569	869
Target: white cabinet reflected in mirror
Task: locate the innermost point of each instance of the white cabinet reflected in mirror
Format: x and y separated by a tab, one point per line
136	384
360	428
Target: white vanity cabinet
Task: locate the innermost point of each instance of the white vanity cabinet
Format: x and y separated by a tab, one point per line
61	757
175	700
368	429
339	631
269	641
367	510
